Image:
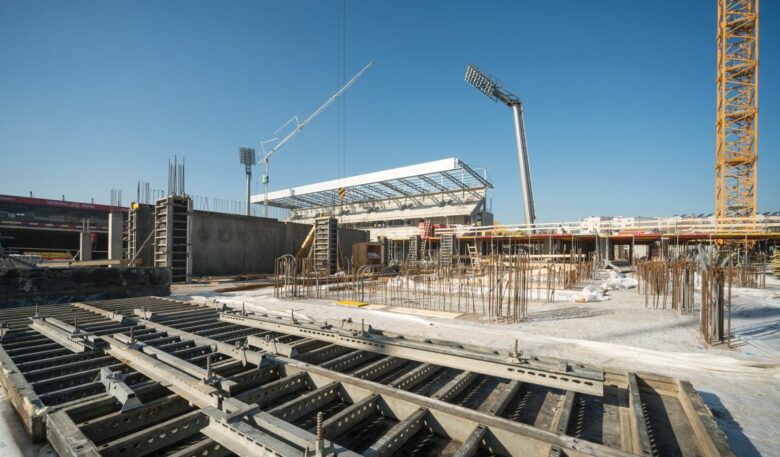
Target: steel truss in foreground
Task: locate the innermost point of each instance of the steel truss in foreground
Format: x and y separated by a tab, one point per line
151	376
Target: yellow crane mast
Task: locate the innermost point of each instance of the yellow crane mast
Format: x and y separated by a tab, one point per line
737	119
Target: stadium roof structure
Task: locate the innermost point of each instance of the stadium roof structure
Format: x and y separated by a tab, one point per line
442	182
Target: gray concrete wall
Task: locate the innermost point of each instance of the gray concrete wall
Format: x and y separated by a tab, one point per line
24	287
348	237
227	244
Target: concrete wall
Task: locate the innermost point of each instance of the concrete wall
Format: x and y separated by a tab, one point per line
227	244
24	287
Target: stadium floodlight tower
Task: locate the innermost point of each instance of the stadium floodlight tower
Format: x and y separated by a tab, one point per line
248	159
493	89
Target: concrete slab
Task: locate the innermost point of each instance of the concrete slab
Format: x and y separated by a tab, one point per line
375	307
424	312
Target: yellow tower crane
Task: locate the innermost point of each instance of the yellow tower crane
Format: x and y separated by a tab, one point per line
736	161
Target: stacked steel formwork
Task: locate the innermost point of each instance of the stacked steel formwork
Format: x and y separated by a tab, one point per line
172	236
325	247
211	382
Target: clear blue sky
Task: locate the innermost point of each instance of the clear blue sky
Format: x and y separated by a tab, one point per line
619	96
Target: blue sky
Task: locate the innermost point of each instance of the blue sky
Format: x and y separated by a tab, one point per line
619	96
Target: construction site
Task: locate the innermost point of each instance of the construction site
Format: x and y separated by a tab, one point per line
388	313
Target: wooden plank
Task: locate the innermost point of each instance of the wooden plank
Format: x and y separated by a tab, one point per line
640	440
91	263
713	442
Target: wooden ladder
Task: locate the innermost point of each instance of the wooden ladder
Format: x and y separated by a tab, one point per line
474	255
424	243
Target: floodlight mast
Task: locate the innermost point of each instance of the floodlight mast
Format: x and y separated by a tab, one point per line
493	89
248	158
300	127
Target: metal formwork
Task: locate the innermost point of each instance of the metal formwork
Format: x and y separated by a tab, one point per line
202	380
325	245
173	235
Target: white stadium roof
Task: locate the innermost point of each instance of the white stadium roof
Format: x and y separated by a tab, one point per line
446	176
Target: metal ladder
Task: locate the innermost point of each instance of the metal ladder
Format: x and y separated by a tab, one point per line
445	250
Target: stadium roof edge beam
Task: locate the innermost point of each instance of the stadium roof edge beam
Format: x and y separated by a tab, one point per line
445	176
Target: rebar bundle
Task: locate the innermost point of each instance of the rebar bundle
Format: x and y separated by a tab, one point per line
498	291
677	278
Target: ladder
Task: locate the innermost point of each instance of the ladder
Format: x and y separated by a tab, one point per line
445	250
474	255
424	243
411	255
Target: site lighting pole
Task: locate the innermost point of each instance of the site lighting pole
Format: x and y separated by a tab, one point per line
493	89
248	158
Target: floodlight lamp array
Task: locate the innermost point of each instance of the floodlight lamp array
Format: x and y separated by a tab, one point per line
481	82
247	156
489	86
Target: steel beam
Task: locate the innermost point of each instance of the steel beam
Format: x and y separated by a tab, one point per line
506	396
398	435
455	386
350	416
378	368
155	437
472	443
562	415
204	447
66	439
114	425
522	370
416	376
22	396
306	403
349	360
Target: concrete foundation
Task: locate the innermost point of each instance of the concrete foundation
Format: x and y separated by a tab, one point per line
25	287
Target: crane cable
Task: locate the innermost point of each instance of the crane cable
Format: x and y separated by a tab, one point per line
341	30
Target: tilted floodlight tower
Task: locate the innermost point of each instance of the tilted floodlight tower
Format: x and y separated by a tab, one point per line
492	88
248	159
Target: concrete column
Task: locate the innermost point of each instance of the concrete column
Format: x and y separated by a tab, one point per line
115	220
85	246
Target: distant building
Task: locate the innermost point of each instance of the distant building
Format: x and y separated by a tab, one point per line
50	228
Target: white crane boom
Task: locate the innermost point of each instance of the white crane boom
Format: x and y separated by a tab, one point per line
300	127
